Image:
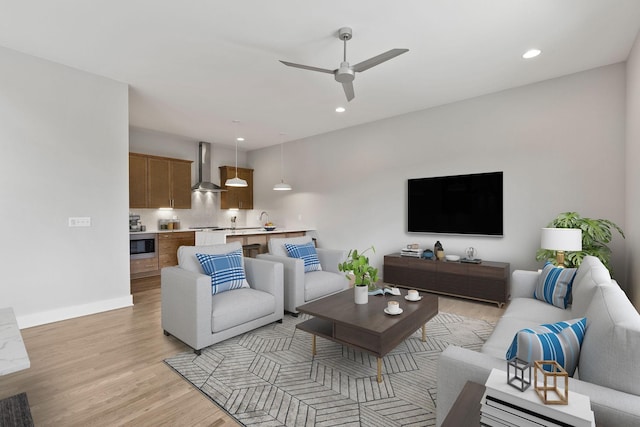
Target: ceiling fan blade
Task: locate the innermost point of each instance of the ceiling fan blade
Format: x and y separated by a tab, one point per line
348	90
307	67
371	62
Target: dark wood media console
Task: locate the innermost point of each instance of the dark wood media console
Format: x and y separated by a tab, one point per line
487	281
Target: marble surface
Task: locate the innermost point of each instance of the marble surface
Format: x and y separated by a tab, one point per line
13	354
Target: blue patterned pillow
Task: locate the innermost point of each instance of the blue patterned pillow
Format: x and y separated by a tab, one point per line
563	346
554	285
559	341
226	271
306	252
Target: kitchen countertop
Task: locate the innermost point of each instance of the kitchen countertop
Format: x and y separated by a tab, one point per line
239	231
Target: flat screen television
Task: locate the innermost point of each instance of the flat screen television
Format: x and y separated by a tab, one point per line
460	204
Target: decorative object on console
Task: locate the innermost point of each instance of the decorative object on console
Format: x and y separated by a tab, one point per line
452	258
427	254
439	251
518	380
561	240
365	276
550	369
596	234
470	252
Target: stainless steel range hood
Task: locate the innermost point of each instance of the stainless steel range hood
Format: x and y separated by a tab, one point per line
204	170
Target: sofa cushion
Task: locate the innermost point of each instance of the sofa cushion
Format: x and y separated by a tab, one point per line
307	253
590	274
556	327
226	271
318	284
187	254
554	285
276	245
225	313
561	343
536	311
611	345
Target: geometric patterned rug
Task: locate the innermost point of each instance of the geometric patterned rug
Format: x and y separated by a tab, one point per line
267	377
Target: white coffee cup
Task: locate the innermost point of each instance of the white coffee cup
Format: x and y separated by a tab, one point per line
393	307
413	294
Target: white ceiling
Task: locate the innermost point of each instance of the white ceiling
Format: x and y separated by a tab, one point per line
194	66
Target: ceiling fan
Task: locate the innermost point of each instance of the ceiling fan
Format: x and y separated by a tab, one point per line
346	73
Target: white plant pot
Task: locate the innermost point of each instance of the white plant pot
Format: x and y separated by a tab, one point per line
361	294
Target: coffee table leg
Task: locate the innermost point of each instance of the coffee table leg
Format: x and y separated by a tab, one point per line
313	345
379	369
424	332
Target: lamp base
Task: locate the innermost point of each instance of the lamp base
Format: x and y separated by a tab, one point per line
560	259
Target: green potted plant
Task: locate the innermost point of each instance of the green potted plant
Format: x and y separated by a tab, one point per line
596	234
365	276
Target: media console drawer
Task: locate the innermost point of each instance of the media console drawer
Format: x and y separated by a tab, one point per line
487	281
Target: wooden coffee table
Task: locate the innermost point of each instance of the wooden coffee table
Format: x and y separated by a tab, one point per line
367	327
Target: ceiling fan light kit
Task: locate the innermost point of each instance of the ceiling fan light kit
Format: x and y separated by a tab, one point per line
345	73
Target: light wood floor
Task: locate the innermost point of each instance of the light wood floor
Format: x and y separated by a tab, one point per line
107	369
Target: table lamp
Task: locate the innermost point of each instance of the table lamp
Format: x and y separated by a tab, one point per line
561	240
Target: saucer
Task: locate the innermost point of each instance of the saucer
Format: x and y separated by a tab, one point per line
393	314
409	299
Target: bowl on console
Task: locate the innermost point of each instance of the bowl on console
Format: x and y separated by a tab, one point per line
452	258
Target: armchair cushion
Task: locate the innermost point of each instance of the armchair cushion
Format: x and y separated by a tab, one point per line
226	271
187	254
307	253
225	313
322	283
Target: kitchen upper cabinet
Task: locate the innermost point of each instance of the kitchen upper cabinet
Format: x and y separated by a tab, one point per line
138	170
236	197
159	182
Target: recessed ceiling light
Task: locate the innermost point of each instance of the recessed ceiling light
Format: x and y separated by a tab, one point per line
340	110
239	139
531	53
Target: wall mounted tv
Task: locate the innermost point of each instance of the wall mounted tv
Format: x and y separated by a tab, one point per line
460	204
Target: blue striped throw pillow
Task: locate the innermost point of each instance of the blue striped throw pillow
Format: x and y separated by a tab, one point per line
306	252
226	271
554	285
563	346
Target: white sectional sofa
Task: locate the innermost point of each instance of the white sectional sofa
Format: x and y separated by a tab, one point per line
609	362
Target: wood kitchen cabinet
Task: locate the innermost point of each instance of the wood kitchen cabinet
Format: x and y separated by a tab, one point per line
236	197
168	244
159	182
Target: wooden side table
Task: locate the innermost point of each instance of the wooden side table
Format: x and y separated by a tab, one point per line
466	409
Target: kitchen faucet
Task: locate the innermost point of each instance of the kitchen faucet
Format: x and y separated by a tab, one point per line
263	213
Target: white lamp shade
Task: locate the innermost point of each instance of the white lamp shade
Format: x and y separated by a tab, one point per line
236	182
281	186
562	239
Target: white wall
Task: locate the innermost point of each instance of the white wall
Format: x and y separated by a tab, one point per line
64	138
205	207
633	171
560	144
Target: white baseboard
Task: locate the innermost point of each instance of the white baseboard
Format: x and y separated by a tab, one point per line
65	313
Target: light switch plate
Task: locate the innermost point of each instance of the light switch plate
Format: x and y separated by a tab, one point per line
80	221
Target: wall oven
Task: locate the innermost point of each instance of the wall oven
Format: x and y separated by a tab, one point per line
143	245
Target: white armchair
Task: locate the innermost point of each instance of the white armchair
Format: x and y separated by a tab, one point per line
199	319
300	287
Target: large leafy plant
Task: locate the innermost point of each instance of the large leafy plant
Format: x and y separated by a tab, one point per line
596	234
357	265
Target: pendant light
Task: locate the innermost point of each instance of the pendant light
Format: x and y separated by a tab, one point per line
282	186
236	182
